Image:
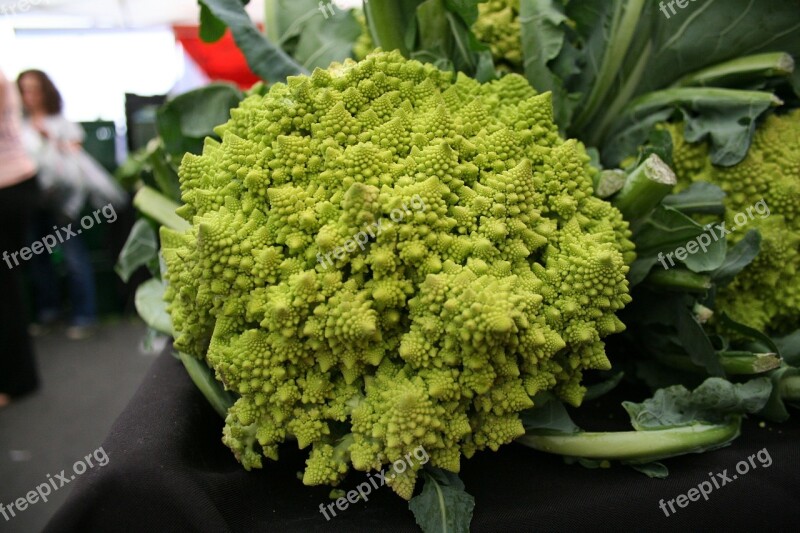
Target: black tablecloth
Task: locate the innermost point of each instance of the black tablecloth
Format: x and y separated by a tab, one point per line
168	471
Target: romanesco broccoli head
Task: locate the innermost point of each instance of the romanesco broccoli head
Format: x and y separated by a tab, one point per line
498	26
385	257
763	190
364	44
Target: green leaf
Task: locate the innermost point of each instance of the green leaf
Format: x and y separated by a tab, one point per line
612	38
140	249
433	29
542	37
696	343
211	28
749	333
132	169
151	306
700	197
789	347
713	402
389	22
726	118
665	230
714	32
312	38
659	142
443	506
185	121
738	257
265	59
164	174
625	141
549	416
466	9
652	470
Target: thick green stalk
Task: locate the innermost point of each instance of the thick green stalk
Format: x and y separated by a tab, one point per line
609	182
790	388
160	208
644	188
709	96
384	18
741	70
203	378
679	279
734	363
271	30
702	313
622	30
636	446
598	128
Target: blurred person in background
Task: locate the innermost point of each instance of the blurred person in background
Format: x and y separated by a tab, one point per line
18	193
51	139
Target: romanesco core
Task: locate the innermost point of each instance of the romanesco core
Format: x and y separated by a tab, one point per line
441	330
766	294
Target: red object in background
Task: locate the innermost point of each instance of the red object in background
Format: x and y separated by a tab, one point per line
221	61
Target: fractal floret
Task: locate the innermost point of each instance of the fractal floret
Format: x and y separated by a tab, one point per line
499	26
385	256
763	191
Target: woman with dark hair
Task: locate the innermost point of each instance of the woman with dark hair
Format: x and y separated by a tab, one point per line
51	138
17	196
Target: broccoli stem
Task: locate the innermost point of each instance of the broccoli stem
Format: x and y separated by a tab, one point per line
160	208
741	70
636	446
734	363
702	313
644	188
609	182
790	388
679	279
203	378
621	34
384	19
697	96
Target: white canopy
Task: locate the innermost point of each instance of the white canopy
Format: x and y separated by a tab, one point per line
121	14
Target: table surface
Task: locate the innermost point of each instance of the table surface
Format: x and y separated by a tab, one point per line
169	471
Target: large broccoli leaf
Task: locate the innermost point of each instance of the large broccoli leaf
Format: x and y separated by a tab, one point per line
608	58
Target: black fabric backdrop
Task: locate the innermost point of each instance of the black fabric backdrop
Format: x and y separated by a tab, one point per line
168	471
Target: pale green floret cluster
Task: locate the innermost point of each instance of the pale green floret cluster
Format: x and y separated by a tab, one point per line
445	326
766	294
498	25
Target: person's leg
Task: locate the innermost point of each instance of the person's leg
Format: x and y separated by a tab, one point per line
47	294
18	373
81	282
